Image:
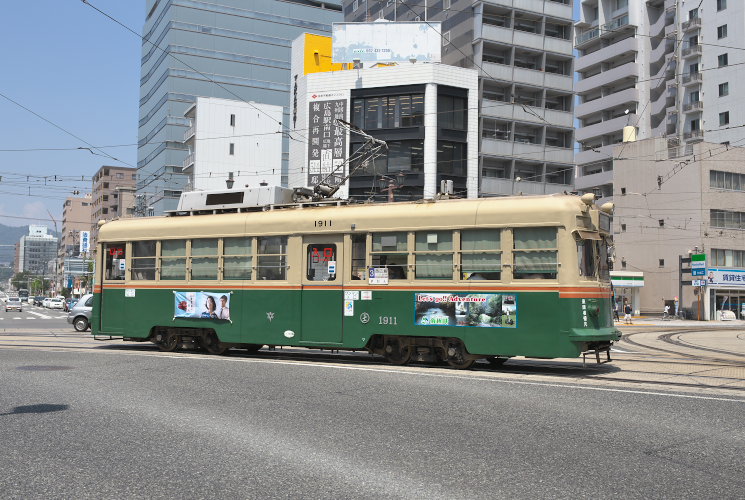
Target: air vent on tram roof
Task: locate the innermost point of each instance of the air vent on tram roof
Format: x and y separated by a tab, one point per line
232	200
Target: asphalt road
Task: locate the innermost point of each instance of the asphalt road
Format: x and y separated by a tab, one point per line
117	422
33	317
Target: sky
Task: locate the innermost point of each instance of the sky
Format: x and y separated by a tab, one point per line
79	70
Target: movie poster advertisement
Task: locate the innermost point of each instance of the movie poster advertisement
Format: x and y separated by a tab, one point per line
205	305
486	310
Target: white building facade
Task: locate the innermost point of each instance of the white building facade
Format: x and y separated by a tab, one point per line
233	140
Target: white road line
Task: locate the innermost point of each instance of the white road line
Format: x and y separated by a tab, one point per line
40	315
18	318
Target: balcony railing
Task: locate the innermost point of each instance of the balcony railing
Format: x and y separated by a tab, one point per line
693	134
693	106
189	132
189	160
615	24
692	78
692	23
692	50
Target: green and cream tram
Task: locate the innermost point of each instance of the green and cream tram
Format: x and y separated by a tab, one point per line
450	280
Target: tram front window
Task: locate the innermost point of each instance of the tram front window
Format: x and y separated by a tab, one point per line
321	262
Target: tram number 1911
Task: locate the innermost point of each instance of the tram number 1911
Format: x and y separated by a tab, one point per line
322	223
387	320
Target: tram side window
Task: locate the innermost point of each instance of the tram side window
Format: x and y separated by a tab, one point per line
237	258
320	259
115	255
481	254
535	253
173	260
390	250
433	258
143	260
359	252
271	260
204	259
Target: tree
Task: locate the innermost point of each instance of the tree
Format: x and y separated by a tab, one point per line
20	280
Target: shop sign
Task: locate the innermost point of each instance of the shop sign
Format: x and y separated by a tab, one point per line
726	277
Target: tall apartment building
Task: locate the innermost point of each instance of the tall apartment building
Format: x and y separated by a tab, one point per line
664	67
230	49
523	51
76	219
105	197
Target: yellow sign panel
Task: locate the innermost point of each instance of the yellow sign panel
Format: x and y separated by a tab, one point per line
317	55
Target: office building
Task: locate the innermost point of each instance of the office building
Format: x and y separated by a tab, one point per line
423	113
523	54
233	143
37	251
229	49
665	67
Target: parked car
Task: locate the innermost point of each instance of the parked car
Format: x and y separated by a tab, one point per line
14	303
57	303
80	315
38	300
45	302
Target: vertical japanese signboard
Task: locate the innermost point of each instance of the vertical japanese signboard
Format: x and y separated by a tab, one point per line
85	241
327	144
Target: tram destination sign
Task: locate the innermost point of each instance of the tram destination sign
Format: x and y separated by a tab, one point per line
327	148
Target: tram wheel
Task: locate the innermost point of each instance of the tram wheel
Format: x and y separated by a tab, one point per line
169	343
457	356
396	353
497	361
252	348
212	344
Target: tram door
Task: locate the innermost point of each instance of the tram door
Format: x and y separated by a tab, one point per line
322	293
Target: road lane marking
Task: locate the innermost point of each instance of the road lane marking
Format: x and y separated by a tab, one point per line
40	315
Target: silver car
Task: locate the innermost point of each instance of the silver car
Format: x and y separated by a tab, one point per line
80	315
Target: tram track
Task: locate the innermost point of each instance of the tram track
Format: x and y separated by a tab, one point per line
668	338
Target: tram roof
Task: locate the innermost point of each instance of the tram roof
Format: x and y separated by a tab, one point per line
558	210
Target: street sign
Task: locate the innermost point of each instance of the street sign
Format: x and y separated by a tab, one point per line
698	282
698	261
698	272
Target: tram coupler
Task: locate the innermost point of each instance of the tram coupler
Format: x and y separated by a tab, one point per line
596	352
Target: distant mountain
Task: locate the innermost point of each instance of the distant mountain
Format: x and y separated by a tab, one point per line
9	235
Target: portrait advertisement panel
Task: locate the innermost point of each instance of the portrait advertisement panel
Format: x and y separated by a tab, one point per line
202	305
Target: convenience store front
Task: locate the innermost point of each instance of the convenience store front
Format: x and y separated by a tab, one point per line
626	288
